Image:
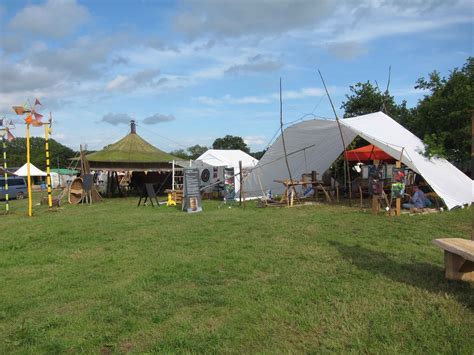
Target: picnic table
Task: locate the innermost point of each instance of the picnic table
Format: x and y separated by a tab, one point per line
458	258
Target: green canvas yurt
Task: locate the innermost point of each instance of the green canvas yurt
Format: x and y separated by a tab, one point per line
131	153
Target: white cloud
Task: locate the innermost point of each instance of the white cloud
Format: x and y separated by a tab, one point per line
255	140
263	99
55	18
300	94
17	77
119	82
256	64
347	49
240	18
140	79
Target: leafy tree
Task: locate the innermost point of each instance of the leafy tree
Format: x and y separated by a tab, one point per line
443	117
196	151
230	142
180	153
16	151
366	98
190	153
258	155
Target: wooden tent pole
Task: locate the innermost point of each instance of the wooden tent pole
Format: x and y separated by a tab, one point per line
398	200
346	164
283	141
241	182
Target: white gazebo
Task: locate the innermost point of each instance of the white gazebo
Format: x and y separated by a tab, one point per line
34	171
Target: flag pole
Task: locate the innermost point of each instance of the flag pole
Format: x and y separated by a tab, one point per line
30	198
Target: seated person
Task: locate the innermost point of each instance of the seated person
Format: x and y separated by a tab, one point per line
308	192
418	200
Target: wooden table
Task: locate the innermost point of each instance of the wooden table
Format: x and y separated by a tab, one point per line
458	258
290	189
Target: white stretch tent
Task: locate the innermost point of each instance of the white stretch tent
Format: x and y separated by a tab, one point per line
230	159
34	171
316	144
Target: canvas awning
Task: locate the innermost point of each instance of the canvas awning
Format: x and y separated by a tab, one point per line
315	145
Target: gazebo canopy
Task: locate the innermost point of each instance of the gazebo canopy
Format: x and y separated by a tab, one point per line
366	153
34	171
130	153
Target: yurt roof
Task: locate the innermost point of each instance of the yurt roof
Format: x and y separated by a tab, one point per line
129	152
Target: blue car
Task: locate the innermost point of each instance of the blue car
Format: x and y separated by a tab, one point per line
17	188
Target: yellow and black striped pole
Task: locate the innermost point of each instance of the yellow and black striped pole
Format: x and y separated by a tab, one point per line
28	171
5	167
47	131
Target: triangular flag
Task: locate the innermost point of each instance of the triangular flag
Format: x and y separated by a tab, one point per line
10	136
38	116
19	110
29	119
37	102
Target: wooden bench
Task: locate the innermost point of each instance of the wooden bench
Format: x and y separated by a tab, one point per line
458	258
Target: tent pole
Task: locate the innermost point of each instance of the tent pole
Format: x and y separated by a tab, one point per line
283	141
241	182
346	164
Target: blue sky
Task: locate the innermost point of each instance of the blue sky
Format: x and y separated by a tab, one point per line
191	71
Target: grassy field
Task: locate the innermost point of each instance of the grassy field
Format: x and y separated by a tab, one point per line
114	278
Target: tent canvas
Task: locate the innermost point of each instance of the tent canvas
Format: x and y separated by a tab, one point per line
34	171
230	159
315	145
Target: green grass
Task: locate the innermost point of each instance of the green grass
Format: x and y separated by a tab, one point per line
114	278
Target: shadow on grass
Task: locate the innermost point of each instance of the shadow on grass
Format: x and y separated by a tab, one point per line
422	275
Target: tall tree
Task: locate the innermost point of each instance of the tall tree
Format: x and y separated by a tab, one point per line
180	153
231	142
192	152
443	117
196	151
366	98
